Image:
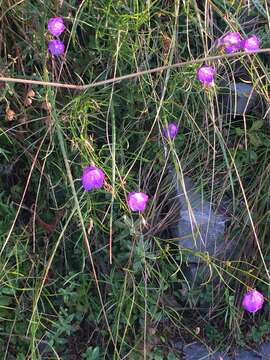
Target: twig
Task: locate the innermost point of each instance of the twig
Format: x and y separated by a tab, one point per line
129	76
49	228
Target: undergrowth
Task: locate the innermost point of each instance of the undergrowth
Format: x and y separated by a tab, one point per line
60	298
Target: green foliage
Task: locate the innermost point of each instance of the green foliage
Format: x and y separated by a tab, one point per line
92	353
258	333
62	328
59	300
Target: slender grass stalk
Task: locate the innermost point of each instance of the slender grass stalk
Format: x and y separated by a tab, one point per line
85	236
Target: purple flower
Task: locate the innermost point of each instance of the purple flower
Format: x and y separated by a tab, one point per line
92	178
206	75
56	47
253	301
137	201
232	42
170	131
250	44
56	26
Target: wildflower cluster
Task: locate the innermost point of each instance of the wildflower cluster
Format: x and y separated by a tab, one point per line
231	43
56	26
94	177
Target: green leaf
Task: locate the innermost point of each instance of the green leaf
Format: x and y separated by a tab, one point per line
5	300
95	353
92	354
255	139
253	157
171	356
265	140
257	125
239	131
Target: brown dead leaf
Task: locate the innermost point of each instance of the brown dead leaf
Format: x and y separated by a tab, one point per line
108	187
27	102
10	114
31	93
29	97
46	106
166	41
90	226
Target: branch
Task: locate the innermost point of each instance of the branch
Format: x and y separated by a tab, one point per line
129	76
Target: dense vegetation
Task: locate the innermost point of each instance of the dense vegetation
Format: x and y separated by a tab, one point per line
60	297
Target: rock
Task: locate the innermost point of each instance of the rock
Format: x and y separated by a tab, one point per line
264	351
247	355
178	345
199	227
196	351
238	98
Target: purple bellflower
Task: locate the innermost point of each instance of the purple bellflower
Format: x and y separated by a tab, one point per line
206	75
56	47
137	201
250	44
252	301
92	178
232	42
56	26
170	131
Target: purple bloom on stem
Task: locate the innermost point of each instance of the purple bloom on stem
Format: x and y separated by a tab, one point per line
232	42
250	44
253	301
170	131
56	26
206	75
56	47
92	178
137	201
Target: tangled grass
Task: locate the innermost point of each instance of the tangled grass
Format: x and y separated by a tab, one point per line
82	277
